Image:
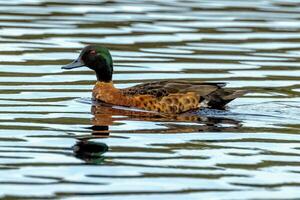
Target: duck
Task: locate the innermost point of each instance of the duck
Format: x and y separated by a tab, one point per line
164	96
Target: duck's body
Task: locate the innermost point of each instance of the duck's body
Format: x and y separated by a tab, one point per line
161	96
166	96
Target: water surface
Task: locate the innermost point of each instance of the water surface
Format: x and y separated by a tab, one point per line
55	144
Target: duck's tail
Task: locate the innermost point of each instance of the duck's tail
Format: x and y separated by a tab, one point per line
221	97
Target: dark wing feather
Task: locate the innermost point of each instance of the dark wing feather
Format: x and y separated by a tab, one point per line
163	88
219	98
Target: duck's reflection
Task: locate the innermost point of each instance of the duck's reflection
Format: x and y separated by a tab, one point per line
90	151
105	116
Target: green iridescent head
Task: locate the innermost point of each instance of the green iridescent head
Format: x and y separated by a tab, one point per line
96	58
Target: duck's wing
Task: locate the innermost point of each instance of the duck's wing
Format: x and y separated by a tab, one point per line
160	89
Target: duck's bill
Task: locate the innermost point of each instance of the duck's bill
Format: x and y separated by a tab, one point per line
75	64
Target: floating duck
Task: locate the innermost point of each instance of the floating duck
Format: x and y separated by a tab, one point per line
166	96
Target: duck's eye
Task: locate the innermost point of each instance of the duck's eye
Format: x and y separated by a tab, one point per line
92	52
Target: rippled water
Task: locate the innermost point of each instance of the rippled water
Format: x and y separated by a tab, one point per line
54	144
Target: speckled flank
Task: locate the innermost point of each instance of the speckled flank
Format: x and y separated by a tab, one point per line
177	103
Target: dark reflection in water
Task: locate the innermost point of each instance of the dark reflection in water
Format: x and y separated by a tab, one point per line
90	152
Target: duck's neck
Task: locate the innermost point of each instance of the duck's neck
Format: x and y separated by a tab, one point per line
103	69
104	76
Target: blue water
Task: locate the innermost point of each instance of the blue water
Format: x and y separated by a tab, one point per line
56	144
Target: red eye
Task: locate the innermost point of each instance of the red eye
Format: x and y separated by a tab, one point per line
92	52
